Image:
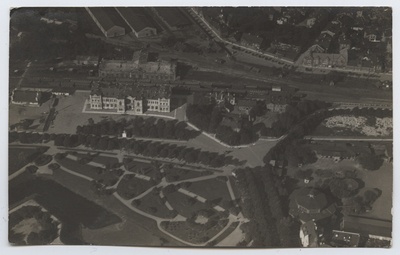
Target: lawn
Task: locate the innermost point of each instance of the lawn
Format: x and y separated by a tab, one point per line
383	180
179	174
212	190
135	229
142	168
108	177
130	186
20	157
196	234
154	205
184	204
105	160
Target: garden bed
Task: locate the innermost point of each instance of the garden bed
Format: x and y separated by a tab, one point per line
154	205
185	205
179	174
212	190
143	168
107	177
194	233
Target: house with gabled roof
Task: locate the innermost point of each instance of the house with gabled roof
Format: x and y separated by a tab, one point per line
108	20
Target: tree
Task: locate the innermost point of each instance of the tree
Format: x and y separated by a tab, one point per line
370	162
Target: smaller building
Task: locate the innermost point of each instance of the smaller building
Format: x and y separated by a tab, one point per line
86	60
344	239
26	97
310	204
108	20
140	24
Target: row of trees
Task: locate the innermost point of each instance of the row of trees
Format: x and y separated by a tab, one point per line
138	147
269	225
296	154
139	127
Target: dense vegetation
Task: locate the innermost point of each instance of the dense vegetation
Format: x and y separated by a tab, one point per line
292	116
263	193
138	147
208	118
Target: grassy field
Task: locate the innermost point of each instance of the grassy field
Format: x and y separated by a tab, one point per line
142	168
135	228
179	174
383	180
154	205
20	157
131	186
183	205
108	177
211	189
105	160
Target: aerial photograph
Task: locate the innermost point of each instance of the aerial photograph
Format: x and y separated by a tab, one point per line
236	127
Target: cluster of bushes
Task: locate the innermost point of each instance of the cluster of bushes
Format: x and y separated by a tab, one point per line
292	116
139	147
361	203
370	161
139	127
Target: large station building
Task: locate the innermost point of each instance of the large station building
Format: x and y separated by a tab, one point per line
130	99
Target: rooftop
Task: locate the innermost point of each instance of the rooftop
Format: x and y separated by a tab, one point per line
135	17
108	17
345	239
138	90
311	199
27	96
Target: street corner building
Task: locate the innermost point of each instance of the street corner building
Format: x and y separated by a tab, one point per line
130	98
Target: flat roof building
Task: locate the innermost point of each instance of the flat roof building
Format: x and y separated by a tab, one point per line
108	20
138	21
26	97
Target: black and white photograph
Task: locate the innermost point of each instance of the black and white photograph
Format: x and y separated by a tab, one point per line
200	126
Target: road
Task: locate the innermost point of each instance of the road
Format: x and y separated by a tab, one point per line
357	139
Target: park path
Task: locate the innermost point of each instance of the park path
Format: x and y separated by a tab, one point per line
54	150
